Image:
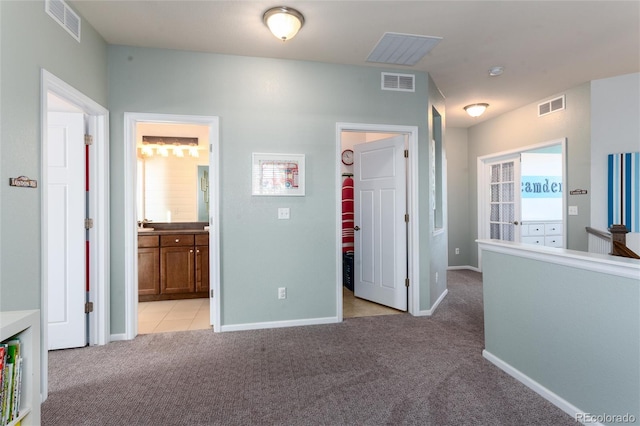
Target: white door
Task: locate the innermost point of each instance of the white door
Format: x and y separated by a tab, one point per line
502	195
66	233
380	253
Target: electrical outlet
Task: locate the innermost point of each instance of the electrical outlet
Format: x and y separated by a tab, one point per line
457	250
282	293
573	210
284	213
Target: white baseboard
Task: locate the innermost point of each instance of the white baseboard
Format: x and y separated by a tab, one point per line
429	312
461	267
278	324
547	394
118	337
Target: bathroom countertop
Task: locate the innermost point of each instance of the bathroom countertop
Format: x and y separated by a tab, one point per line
173	231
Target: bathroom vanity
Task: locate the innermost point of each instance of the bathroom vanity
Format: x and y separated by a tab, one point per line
173	261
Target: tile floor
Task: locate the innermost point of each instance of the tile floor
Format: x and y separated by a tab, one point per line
353	307
173	315
193	314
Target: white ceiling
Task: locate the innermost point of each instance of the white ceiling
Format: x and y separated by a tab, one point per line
545	46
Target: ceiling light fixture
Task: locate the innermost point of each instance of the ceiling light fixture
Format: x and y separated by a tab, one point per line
496	71
476	110
284	22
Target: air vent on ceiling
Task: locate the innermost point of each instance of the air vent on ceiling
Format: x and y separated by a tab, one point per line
402	49
65	16
399	82
550	106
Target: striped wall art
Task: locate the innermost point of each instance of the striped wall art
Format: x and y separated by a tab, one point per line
624	190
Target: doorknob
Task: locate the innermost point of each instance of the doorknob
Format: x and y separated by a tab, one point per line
516	223
356	228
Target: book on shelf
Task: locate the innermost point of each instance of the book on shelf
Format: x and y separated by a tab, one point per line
11	381
3	363
15	411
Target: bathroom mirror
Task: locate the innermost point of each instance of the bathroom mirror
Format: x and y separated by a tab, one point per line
172	172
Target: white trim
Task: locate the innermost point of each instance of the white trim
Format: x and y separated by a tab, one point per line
413	254
463	267
481	176
118	337
547	394
130	223
606	264
499	155
280	324
99	322
438	231
429	312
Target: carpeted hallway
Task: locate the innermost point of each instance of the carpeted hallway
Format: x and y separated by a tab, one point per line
380	370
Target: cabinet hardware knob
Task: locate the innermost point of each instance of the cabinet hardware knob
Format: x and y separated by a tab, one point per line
190	251
177	240
356	228
516	222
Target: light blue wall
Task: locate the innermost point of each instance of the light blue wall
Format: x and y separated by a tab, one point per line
615	128
572	330
521	128
433	247
458	200
31	40
601	117
264	105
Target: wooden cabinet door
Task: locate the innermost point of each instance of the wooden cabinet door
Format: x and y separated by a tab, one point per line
148	271
177	273
202	268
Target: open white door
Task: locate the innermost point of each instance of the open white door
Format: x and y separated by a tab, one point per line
380	255
66	231
503	199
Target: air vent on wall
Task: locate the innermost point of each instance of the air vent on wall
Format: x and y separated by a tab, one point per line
65	16
550	106
398	82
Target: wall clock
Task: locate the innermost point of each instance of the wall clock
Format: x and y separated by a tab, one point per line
347	157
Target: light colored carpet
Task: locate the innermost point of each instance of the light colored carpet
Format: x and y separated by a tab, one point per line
380	370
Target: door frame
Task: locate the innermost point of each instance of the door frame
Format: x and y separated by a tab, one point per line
99	266
413	256
131	119
483	193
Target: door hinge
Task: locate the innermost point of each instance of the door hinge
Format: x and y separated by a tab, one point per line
406	217
88	307
88	223
406	282
406	153
211	294
88	139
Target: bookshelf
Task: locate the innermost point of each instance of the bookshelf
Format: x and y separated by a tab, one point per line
25	325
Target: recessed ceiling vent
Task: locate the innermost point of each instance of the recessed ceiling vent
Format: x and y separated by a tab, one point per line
65	16
399	82
553	105
402	49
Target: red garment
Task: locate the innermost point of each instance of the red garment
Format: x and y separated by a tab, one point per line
347	215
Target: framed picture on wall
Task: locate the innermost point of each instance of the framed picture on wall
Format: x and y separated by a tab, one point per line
277	174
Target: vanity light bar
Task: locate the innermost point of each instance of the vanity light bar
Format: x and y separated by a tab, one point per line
163	143
169	140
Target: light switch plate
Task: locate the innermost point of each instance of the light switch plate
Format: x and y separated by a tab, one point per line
573	210
284	213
